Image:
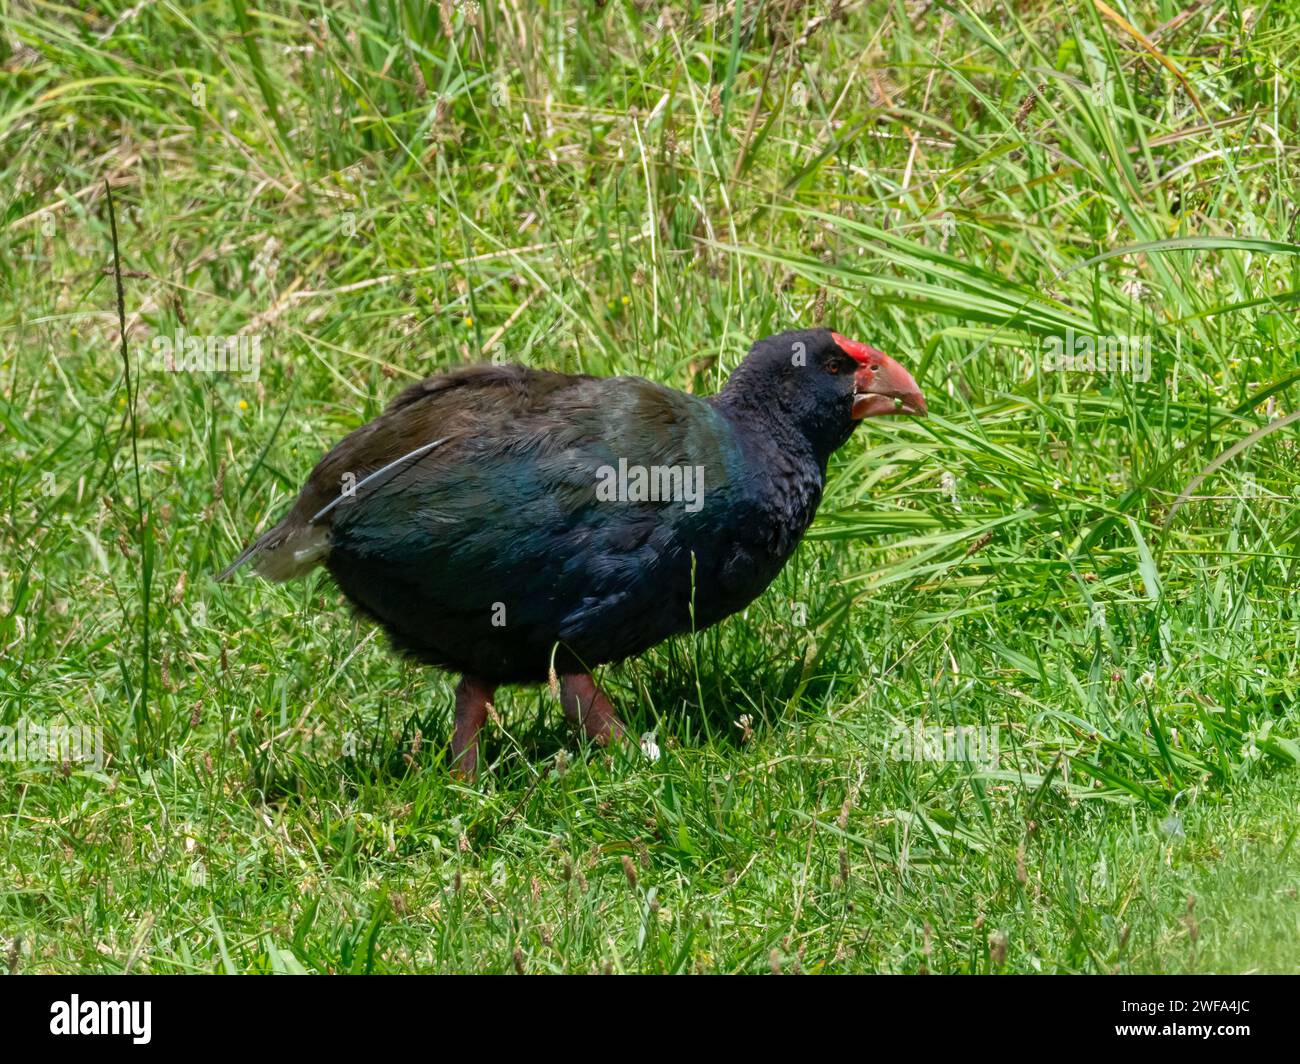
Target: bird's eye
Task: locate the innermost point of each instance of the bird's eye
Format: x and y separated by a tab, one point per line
834	366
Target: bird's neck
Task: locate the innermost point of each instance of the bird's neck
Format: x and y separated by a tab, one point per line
787	473
766	427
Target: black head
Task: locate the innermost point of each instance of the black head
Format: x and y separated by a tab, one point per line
819	384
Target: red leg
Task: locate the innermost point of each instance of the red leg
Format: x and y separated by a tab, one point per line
586	704
472	698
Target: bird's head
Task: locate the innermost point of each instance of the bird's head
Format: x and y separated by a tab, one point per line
821	384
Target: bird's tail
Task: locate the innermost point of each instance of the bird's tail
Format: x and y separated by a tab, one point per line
300	542
289	549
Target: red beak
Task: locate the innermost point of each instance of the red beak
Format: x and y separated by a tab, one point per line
880	386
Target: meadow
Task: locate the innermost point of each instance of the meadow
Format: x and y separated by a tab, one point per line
1023	701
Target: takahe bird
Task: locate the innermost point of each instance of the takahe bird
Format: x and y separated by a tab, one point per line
504	522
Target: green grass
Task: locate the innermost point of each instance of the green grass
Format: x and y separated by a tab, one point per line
611	189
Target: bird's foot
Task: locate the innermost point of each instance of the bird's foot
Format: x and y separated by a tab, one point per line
587	705
472	698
